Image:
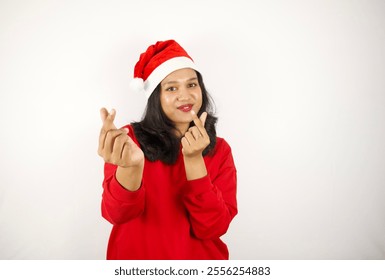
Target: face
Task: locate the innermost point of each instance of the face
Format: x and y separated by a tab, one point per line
180	93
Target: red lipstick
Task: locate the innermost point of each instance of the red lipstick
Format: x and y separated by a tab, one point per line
185	108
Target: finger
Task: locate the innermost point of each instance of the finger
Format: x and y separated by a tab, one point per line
185	143
108	118
189	137
195	132
128	147
126	152
102	136
103	114
118	148
110	139
203	118
198	122
112	115
102	139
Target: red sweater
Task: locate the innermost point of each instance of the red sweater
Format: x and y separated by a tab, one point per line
170	217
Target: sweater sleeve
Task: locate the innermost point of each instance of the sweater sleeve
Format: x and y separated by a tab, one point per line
118	204
211	202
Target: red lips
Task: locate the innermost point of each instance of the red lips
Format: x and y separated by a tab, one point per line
185	107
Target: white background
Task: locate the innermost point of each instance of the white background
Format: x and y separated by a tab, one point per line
300	94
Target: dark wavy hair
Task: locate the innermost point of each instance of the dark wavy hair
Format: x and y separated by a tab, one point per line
156	132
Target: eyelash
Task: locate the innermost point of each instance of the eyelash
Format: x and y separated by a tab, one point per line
174	88
171	89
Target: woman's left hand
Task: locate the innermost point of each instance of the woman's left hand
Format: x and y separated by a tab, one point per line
196	138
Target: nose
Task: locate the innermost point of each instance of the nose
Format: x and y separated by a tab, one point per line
183	94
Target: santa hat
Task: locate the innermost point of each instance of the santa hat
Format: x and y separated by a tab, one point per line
158	61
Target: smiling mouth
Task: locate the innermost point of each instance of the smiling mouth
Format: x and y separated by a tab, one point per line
185	108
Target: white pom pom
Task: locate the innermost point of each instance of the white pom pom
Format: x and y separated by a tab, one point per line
137	85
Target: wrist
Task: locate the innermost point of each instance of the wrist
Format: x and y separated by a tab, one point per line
130	177
196	157
195	167
136	166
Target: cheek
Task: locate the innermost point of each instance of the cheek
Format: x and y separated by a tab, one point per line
198	98
166	100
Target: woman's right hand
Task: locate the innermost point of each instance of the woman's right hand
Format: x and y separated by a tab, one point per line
115	146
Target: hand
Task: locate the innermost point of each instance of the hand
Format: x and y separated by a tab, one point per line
196	138
115	146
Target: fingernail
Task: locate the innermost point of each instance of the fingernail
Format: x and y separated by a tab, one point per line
193	112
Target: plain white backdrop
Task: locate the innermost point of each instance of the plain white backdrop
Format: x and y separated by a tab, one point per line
300	93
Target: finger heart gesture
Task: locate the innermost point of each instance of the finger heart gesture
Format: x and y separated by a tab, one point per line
196	138
115	146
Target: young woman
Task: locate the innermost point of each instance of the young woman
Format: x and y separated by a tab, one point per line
169	186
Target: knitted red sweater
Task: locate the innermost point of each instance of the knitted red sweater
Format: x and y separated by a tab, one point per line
170	217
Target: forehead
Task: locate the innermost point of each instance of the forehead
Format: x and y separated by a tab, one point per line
180	75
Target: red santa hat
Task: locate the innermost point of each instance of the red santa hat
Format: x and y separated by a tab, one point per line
158	61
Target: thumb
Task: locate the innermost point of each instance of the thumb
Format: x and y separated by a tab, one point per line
108	118
203	118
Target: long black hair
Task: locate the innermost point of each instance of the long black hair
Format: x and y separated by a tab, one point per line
156	132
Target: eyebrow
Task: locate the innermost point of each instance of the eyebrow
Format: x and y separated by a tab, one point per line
175	82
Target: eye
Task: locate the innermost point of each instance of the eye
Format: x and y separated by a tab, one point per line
192	85
171	89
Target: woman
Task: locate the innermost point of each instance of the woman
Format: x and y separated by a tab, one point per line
170	184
